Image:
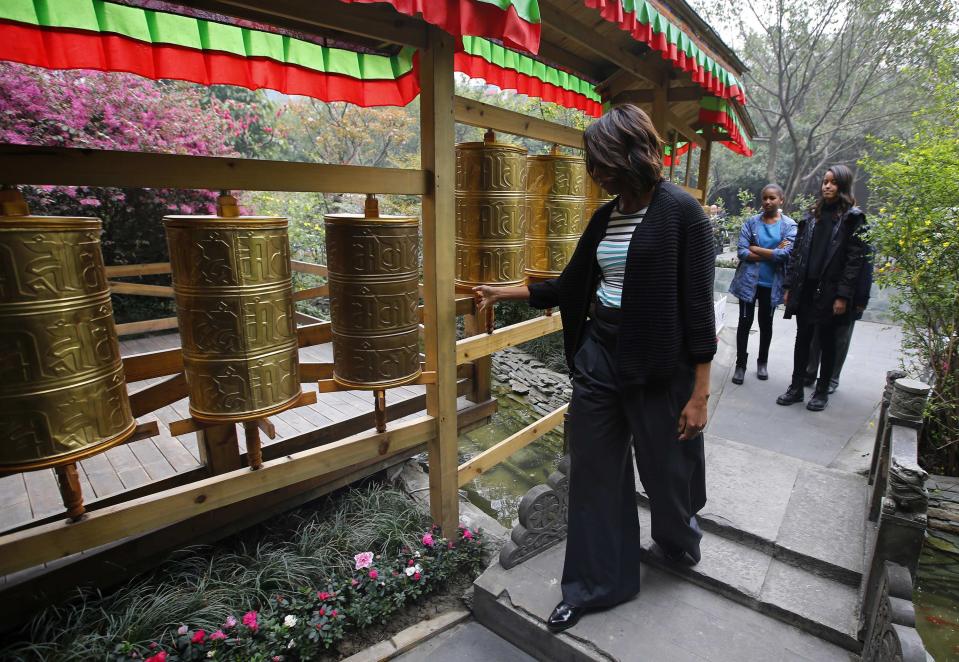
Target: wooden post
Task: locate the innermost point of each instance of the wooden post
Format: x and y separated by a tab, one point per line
482	367
254	450
379	409
702	181
689	165
660	103
439	314
672	155
69	481
219	449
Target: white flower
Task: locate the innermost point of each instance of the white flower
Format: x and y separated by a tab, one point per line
210	654
416	554
418	568
289	621
291	644
409	571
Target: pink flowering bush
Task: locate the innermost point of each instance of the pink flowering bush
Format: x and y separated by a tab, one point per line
297	627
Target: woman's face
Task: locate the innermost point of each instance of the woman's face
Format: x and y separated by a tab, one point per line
830	190
606	177
771	201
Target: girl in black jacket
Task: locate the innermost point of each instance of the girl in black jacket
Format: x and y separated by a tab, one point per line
821	280
638	322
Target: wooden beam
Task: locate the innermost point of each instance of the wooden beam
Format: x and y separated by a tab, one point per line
437	156
152	364
379	23
139	289
159	395
474	113
469	349
496	454
312	293
309	268
219	448
49	542
146	326
24	164
483	366
702	180
695	192
118	270
673	95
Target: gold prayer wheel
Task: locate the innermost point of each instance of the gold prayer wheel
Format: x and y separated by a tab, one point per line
596	197
490	213
555	203
232	281
373	264
62	391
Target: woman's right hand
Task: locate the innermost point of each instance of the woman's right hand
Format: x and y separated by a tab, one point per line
486	295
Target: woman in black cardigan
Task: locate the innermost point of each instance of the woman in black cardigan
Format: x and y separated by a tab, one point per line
639	330
821	280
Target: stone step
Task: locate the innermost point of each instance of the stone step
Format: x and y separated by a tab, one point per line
791	510
791	593
671	620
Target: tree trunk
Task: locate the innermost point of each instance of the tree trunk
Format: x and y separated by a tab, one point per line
773	154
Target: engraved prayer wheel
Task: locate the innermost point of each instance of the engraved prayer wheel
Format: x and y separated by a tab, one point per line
232	281
490	213
596	197
373	264
62	391
555	202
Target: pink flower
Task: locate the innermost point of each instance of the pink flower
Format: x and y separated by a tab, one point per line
374	574
323	595
159	657
467	534
416	576
322	611
449	545
230	622
249	620
219	635
353	582
411	563
198	637
333	613
153	645
363	560
182	629
428	539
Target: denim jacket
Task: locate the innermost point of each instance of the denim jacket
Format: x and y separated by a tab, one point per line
746	279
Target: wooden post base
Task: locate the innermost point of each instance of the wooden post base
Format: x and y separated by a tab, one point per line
69	481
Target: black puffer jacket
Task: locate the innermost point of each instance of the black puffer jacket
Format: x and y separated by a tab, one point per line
843	266
667	307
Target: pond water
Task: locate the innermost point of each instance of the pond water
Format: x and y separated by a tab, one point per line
499	491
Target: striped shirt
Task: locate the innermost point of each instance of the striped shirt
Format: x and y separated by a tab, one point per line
611	255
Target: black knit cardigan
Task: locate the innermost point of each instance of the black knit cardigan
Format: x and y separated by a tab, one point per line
667	306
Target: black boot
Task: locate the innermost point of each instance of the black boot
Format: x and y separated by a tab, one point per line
739	374
819	400
792	395
761	371
564	616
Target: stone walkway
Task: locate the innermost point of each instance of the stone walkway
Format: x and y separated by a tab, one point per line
783	546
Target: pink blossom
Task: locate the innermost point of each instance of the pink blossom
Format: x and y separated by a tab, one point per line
363	560
467	534
230	622
249	620
219	635
323	595
322	611
353	582
411	563
428	539
416	576
198	637
333	613
374	574
182	629
159	657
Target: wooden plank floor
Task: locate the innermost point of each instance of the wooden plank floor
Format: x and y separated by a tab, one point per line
34	495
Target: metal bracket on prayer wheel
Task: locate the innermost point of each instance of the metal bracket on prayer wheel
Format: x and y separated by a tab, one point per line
63	395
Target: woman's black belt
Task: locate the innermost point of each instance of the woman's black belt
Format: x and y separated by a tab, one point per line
605	324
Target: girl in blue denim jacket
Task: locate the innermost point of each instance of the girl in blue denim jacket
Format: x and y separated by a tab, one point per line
765	242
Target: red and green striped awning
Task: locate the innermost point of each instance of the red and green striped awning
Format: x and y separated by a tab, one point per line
505	68
516	23
721	114
651	27
95	34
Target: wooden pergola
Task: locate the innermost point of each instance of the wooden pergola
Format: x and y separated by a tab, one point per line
574	38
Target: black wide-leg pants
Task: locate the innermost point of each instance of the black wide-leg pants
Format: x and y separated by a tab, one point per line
602	544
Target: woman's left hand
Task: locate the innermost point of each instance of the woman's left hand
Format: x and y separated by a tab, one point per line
692	420
839	307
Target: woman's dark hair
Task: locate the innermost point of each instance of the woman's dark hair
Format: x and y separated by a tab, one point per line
625	142
775	188
843	177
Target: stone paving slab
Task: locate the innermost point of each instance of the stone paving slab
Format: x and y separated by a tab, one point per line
467	642
825	520
672	620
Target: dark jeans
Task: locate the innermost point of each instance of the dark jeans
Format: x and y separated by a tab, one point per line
602	544
747	312
843	340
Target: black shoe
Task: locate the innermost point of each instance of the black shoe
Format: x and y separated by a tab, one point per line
564	616
675	558
739	375
809	381
818	401
792	395
762	372
833	385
